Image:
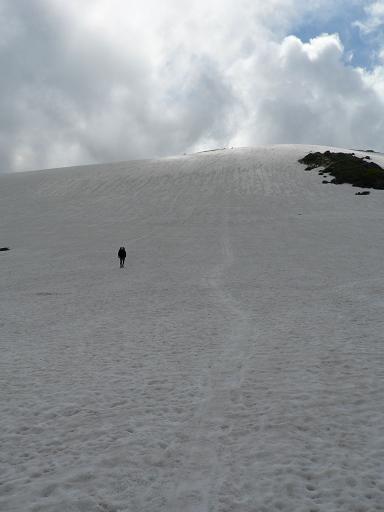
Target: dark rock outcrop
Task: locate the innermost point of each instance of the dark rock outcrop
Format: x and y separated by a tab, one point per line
346	168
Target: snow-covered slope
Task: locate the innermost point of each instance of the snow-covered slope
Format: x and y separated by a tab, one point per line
235	364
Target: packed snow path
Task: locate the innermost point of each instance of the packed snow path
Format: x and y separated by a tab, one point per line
235	364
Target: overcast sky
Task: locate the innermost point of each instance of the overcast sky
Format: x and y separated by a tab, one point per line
101	80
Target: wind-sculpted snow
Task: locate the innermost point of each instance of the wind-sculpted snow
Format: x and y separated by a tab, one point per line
235	364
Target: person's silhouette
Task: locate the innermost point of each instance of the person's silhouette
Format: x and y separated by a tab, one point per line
122	255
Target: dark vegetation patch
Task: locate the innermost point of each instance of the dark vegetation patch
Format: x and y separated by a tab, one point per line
346	168
4	248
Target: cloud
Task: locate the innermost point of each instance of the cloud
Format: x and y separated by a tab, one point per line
309	95
98	80
374	19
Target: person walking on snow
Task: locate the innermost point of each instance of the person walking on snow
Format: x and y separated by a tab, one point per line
122	255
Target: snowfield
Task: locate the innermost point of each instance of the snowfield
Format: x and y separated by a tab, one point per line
235	364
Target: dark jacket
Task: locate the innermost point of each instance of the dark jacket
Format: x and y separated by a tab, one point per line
122	253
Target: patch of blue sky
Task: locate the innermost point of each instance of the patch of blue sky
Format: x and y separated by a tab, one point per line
360	49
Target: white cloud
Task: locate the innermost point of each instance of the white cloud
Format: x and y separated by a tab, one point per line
374	18
102	80
308	95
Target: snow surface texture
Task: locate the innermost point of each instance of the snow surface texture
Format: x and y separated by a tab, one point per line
235	364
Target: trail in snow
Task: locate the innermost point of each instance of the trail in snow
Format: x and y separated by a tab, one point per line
205	440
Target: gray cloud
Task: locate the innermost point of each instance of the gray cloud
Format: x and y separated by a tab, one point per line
101	80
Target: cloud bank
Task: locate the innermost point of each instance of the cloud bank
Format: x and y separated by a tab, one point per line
103	80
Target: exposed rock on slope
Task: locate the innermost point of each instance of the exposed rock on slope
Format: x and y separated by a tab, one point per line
346	168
